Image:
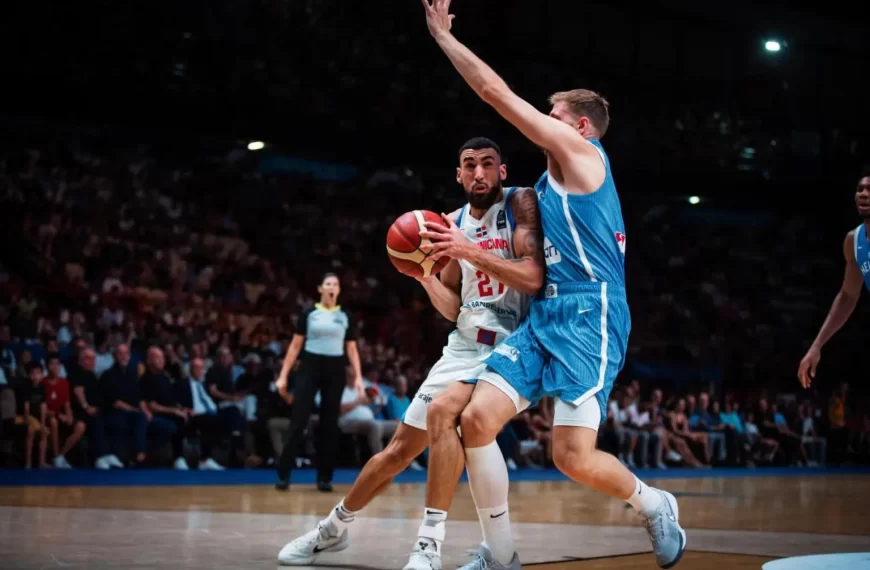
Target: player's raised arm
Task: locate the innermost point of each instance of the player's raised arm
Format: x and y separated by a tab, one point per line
841	309
570	149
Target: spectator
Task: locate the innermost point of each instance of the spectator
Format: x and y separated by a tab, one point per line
818	446
263	403
640	420
702	420
738	440
357	418
788	438
201	413
168	417
398	401
104	358
222	389
680	429
760	444
126	410
60	418
89	407
32	413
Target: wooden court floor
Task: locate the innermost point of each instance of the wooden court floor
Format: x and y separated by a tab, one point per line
732	523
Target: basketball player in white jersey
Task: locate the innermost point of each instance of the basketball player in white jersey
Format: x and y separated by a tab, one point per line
500	230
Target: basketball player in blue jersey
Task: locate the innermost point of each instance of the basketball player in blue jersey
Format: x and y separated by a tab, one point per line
573	343
856	250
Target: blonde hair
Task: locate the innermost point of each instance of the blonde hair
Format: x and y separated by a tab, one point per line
586	103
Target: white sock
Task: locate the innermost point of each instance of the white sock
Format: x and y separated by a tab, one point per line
433	529
645	500
339	519
488	479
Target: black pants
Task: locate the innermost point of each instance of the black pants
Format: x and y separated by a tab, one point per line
325	374
207	427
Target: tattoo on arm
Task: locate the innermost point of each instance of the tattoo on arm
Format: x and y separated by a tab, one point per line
524	202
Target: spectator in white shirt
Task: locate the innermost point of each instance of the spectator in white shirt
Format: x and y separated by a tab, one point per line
640	420
357	418
816	446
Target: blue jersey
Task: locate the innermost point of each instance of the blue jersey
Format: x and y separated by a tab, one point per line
862	253
584	235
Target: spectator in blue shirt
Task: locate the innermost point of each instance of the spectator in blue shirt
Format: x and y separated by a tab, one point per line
398	401
702	420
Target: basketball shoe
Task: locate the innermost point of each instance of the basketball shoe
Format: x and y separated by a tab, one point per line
424	557
304	550
483	560
667	537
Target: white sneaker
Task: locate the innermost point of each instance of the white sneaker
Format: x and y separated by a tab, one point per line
181	464
414	466
115	462
210	465
102	463
60	462
511	464
304	550
424	556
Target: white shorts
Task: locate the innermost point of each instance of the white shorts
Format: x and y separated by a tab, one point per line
461	359
587	414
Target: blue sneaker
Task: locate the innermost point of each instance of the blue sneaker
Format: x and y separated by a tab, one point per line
667	537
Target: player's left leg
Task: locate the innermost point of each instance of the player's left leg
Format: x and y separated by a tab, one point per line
586	335
575	455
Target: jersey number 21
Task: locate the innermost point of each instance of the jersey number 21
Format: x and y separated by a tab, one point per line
484	286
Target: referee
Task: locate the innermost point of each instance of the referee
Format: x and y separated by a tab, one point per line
324	342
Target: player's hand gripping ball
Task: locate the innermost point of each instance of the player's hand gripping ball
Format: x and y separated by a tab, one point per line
404	241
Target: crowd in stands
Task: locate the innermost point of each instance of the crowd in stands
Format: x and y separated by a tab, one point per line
147	305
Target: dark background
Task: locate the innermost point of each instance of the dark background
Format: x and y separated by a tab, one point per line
773	143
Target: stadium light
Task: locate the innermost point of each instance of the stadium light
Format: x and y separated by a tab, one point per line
694	200
772	46
256	145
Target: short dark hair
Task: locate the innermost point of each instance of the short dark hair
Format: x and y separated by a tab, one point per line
478	143
52	356
327	276
865	173
34	366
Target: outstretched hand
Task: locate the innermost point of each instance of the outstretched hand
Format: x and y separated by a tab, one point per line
438	17
807	368
447	240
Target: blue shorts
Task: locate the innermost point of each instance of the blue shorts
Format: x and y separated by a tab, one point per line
571	346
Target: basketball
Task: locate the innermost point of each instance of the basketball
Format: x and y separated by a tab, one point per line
404	241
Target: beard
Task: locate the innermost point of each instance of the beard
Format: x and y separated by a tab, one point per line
483	201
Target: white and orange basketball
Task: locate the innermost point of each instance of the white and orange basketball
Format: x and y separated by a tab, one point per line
404	241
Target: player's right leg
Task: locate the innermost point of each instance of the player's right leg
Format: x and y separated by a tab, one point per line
331	534
494	402
409	441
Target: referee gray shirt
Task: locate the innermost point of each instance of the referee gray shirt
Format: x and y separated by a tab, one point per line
326	330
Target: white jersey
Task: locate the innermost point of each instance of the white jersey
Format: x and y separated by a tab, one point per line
487	305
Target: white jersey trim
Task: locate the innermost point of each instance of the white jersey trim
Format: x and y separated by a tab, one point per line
602	368
855	242
574	234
